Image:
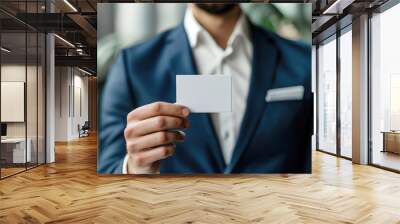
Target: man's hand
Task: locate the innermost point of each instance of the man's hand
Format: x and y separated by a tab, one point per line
148	135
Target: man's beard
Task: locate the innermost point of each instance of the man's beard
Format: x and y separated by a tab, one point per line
216	8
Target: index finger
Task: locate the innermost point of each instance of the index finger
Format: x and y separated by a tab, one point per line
157	109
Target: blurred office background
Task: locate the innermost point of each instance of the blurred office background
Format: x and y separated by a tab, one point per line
124	24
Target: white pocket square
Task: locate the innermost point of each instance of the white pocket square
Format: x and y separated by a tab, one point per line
285	93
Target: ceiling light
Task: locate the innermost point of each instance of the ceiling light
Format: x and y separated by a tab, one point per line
338	6
84	71
65	41
333	6
70	5
5	50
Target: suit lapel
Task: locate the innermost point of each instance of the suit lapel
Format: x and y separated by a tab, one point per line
182	63
262	77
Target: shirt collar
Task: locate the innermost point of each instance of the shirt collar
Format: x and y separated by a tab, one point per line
193	29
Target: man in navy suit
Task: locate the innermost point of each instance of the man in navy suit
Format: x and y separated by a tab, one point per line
268	131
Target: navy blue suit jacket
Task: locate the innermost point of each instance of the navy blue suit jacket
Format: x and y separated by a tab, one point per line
275	137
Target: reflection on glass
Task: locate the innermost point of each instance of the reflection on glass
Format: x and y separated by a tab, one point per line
345	94
327	97
385	84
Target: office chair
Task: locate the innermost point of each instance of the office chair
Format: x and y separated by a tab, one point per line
84	130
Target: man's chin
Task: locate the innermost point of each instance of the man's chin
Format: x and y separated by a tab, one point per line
216	8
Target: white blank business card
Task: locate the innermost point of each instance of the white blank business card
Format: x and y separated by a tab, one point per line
204	93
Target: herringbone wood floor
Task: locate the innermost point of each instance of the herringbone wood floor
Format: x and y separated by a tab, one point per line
70	191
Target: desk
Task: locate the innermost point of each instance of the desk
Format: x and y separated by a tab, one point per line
13	150
391	141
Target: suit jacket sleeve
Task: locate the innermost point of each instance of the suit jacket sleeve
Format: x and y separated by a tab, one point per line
116	102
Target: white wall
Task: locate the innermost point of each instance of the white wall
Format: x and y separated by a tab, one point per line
61	103
70	83
79	117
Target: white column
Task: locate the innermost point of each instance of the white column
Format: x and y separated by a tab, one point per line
50	92
50	98
360	90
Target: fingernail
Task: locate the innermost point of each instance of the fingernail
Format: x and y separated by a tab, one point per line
185	112
182	133
180	136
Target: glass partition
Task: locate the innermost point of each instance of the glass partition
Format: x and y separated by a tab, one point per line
22	77
14	153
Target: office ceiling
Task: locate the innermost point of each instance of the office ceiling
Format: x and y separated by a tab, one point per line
330	15
76	22
19	54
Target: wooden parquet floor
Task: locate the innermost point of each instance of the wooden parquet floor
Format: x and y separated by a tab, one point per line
70	191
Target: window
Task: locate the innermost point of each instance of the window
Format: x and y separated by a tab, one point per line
346	93
327	96
385	89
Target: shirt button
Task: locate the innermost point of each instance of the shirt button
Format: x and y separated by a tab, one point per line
226	135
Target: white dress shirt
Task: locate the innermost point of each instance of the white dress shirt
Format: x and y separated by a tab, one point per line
234	60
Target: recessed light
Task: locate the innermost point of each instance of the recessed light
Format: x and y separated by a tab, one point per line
5	50
64	40
337	7
70	5
84	71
